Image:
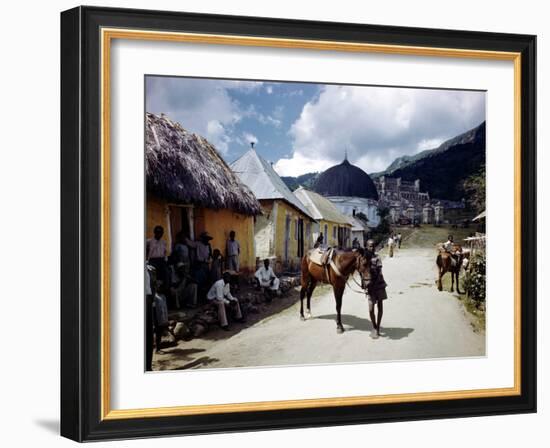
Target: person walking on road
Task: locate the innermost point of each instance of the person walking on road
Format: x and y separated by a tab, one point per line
391	244
376	290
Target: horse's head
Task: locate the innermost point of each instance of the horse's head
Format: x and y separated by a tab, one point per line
362	265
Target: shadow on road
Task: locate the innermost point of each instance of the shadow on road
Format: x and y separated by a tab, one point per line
360	324
200	362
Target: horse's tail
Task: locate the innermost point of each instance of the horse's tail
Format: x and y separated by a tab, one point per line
439	261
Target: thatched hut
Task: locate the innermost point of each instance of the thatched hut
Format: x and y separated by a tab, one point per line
190	188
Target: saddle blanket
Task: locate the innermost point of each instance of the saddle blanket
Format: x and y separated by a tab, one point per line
320	257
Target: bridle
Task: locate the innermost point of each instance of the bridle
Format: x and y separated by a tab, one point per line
363	289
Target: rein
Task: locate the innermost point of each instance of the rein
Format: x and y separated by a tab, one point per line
357	283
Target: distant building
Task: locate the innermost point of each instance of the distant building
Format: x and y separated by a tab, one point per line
283	231
334	225
351	190
407	202
359	230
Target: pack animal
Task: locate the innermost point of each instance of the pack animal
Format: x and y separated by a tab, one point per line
450	262
333	267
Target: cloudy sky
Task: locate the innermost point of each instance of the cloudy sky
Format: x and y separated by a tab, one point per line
304	127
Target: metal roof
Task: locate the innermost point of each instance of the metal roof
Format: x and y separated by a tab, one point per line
258	175
356	224
320	207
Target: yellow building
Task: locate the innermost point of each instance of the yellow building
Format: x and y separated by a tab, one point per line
283	231
190	189
335	227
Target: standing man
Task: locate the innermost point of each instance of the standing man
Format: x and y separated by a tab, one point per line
376	290
355	244
156	255
391	244
266	278
220	294
233	252
203	254
320	240
399	240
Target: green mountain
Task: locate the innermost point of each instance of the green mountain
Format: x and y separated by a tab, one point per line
442	170
305	180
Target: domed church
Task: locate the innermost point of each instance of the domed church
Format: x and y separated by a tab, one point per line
350	189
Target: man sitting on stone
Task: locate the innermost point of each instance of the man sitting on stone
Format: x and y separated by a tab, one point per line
266	278
184	287
220	294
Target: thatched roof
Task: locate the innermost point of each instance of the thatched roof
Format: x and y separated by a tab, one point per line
185	168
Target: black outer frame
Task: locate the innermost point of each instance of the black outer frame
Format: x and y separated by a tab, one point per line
80	223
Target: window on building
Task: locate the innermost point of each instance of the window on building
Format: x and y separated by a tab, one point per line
334	232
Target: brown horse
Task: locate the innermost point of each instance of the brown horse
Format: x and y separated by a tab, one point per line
444	263
344	264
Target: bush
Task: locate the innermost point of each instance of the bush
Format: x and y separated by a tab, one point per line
475	279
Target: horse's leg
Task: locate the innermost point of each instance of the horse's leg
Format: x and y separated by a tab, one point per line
452	280
338	293
439	263
457	284
305	280
311	287
303	290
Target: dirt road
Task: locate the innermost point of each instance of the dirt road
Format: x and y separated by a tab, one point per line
419	322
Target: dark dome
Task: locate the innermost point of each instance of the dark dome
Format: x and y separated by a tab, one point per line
346	180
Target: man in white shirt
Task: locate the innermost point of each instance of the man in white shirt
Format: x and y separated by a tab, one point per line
266	277
391	244
220	294
233	252
156	255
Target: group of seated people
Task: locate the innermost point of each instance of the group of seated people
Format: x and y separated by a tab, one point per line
194	274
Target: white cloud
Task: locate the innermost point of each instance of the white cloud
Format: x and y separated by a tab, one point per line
243	86
428	143
201	106
250	138
273	120
216	132
300	164
376	124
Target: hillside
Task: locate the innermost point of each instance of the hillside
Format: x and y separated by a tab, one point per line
305	180
442	170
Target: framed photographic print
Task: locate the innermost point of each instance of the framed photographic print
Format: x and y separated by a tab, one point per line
272	223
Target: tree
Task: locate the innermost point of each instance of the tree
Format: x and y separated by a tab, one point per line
474	187
384	226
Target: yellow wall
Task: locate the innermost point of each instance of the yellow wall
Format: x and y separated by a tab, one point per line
329	237
157	215
218	223
280	211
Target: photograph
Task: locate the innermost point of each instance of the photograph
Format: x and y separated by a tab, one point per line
300	223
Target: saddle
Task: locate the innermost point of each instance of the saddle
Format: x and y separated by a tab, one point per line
325	259
321	257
